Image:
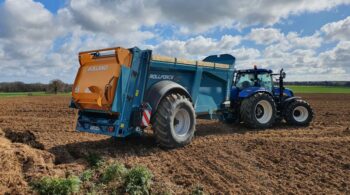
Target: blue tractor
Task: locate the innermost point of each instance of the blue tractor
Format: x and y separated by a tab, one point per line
120	92
259	102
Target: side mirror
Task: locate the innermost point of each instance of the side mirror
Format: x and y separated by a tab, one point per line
282	74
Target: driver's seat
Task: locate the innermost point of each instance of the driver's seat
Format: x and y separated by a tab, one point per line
246	84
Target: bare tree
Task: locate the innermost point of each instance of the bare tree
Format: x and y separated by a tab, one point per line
56	86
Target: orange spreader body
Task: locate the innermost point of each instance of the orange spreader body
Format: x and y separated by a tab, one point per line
97	79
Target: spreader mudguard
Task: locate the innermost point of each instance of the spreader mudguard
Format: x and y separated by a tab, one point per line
97	77
162	88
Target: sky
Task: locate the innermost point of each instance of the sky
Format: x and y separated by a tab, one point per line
310	39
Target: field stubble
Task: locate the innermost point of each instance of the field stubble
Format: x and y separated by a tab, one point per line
37	139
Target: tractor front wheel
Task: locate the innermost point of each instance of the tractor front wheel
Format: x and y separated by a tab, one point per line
174	121
299	113
258	111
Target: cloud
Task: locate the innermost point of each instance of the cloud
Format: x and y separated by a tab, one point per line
25	16
189	16
265	36
118	19
244	54
200	16
298	55
197	47
25	29
171	48
27	38
339	56
293	52
313	41
307	64
339	30
36	42
270	36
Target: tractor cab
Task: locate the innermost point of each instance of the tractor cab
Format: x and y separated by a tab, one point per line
249	81
261	78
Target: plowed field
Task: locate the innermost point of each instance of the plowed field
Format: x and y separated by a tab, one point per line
37	139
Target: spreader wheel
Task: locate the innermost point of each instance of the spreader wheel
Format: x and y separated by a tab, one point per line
299	113
174	121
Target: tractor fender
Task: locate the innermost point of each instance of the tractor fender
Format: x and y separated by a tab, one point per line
160	89
287	100
246	93
289	92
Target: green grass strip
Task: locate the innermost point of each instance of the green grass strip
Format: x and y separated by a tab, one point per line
22	94
318	89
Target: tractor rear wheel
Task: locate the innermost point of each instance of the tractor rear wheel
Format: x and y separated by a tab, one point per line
258	111
299	113
174	121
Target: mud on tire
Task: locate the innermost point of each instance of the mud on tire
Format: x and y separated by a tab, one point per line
298	113
258	111
174	121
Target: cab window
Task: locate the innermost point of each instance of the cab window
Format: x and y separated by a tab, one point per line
265	81
245	81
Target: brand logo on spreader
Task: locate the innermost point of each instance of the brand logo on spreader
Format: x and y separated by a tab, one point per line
161	76
97	68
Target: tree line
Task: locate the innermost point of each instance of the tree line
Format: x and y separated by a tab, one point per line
54	86
320	83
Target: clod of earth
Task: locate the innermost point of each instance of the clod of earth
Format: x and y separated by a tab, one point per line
26	137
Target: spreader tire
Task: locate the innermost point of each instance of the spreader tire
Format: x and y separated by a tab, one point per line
298	113
174	121
258	111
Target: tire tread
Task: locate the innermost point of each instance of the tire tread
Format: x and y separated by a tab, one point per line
248	114
288	116
161	120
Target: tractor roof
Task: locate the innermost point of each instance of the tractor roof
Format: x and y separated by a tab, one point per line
258	70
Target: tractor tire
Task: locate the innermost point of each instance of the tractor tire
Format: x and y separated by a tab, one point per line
174	121
258	111
298	113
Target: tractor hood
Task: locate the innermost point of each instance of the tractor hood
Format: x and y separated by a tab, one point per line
97	77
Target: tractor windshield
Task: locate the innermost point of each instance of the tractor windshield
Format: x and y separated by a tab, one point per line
245	80
265	80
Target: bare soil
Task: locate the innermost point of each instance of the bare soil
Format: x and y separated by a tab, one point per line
37	139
